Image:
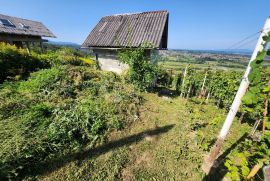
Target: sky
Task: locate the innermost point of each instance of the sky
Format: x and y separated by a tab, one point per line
193	24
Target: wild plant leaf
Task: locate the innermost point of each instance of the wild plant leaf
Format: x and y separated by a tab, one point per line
266	38
249	98
268	52
260	56
266	89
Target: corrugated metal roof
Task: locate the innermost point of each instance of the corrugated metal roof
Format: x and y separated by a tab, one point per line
32	28
129	30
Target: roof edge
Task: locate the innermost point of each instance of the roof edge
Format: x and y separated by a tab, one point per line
21	18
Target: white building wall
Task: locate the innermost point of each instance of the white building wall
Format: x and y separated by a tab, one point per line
108	60
111	64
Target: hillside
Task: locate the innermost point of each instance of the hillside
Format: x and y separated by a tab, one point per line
62	118
201	59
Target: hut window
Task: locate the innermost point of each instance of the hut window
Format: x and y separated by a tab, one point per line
6	22
103	26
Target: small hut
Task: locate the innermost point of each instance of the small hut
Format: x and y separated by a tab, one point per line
21	32
127	30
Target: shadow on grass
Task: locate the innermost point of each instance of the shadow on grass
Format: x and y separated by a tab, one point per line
164	91
218	171
50	166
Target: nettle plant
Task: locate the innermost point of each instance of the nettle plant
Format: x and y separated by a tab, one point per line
142	71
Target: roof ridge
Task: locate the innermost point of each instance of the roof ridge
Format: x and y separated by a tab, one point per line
145	12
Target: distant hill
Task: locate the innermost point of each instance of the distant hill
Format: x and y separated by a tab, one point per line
69	44
245	52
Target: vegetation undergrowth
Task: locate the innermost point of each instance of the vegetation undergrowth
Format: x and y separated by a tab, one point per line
254	152
57	111
17	63
168	142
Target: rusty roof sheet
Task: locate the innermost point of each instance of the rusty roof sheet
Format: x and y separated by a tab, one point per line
125	30
30	28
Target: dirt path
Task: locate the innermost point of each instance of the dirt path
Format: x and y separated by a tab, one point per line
168	142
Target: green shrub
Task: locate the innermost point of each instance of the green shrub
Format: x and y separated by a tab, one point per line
246	156
17	62
164	78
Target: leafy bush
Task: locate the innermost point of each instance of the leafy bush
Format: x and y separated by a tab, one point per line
142	71
164	78
57	111
17	62
65	56
246	156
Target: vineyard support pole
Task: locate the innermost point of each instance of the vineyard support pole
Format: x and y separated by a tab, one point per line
265	109
204	80
183	83
209	161
208	95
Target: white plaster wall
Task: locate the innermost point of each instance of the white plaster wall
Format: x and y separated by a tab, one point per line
108	61
111	64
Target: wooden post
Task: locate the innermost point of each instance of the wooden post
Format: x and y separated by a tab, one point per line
253	171
183	83
265	109
189	90
204	80
209	161
241	117
208	95
202	88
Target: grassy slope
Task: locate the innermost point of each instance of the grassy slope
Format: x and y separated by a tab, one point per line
169	141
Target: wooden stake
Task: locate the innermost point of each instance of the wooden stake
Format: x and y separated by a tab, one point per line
204	80
208	96
253	171
189	90
241	117
265	109
183	83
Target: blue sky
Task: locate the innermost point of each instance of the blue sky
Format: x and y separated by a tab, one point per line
193	24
